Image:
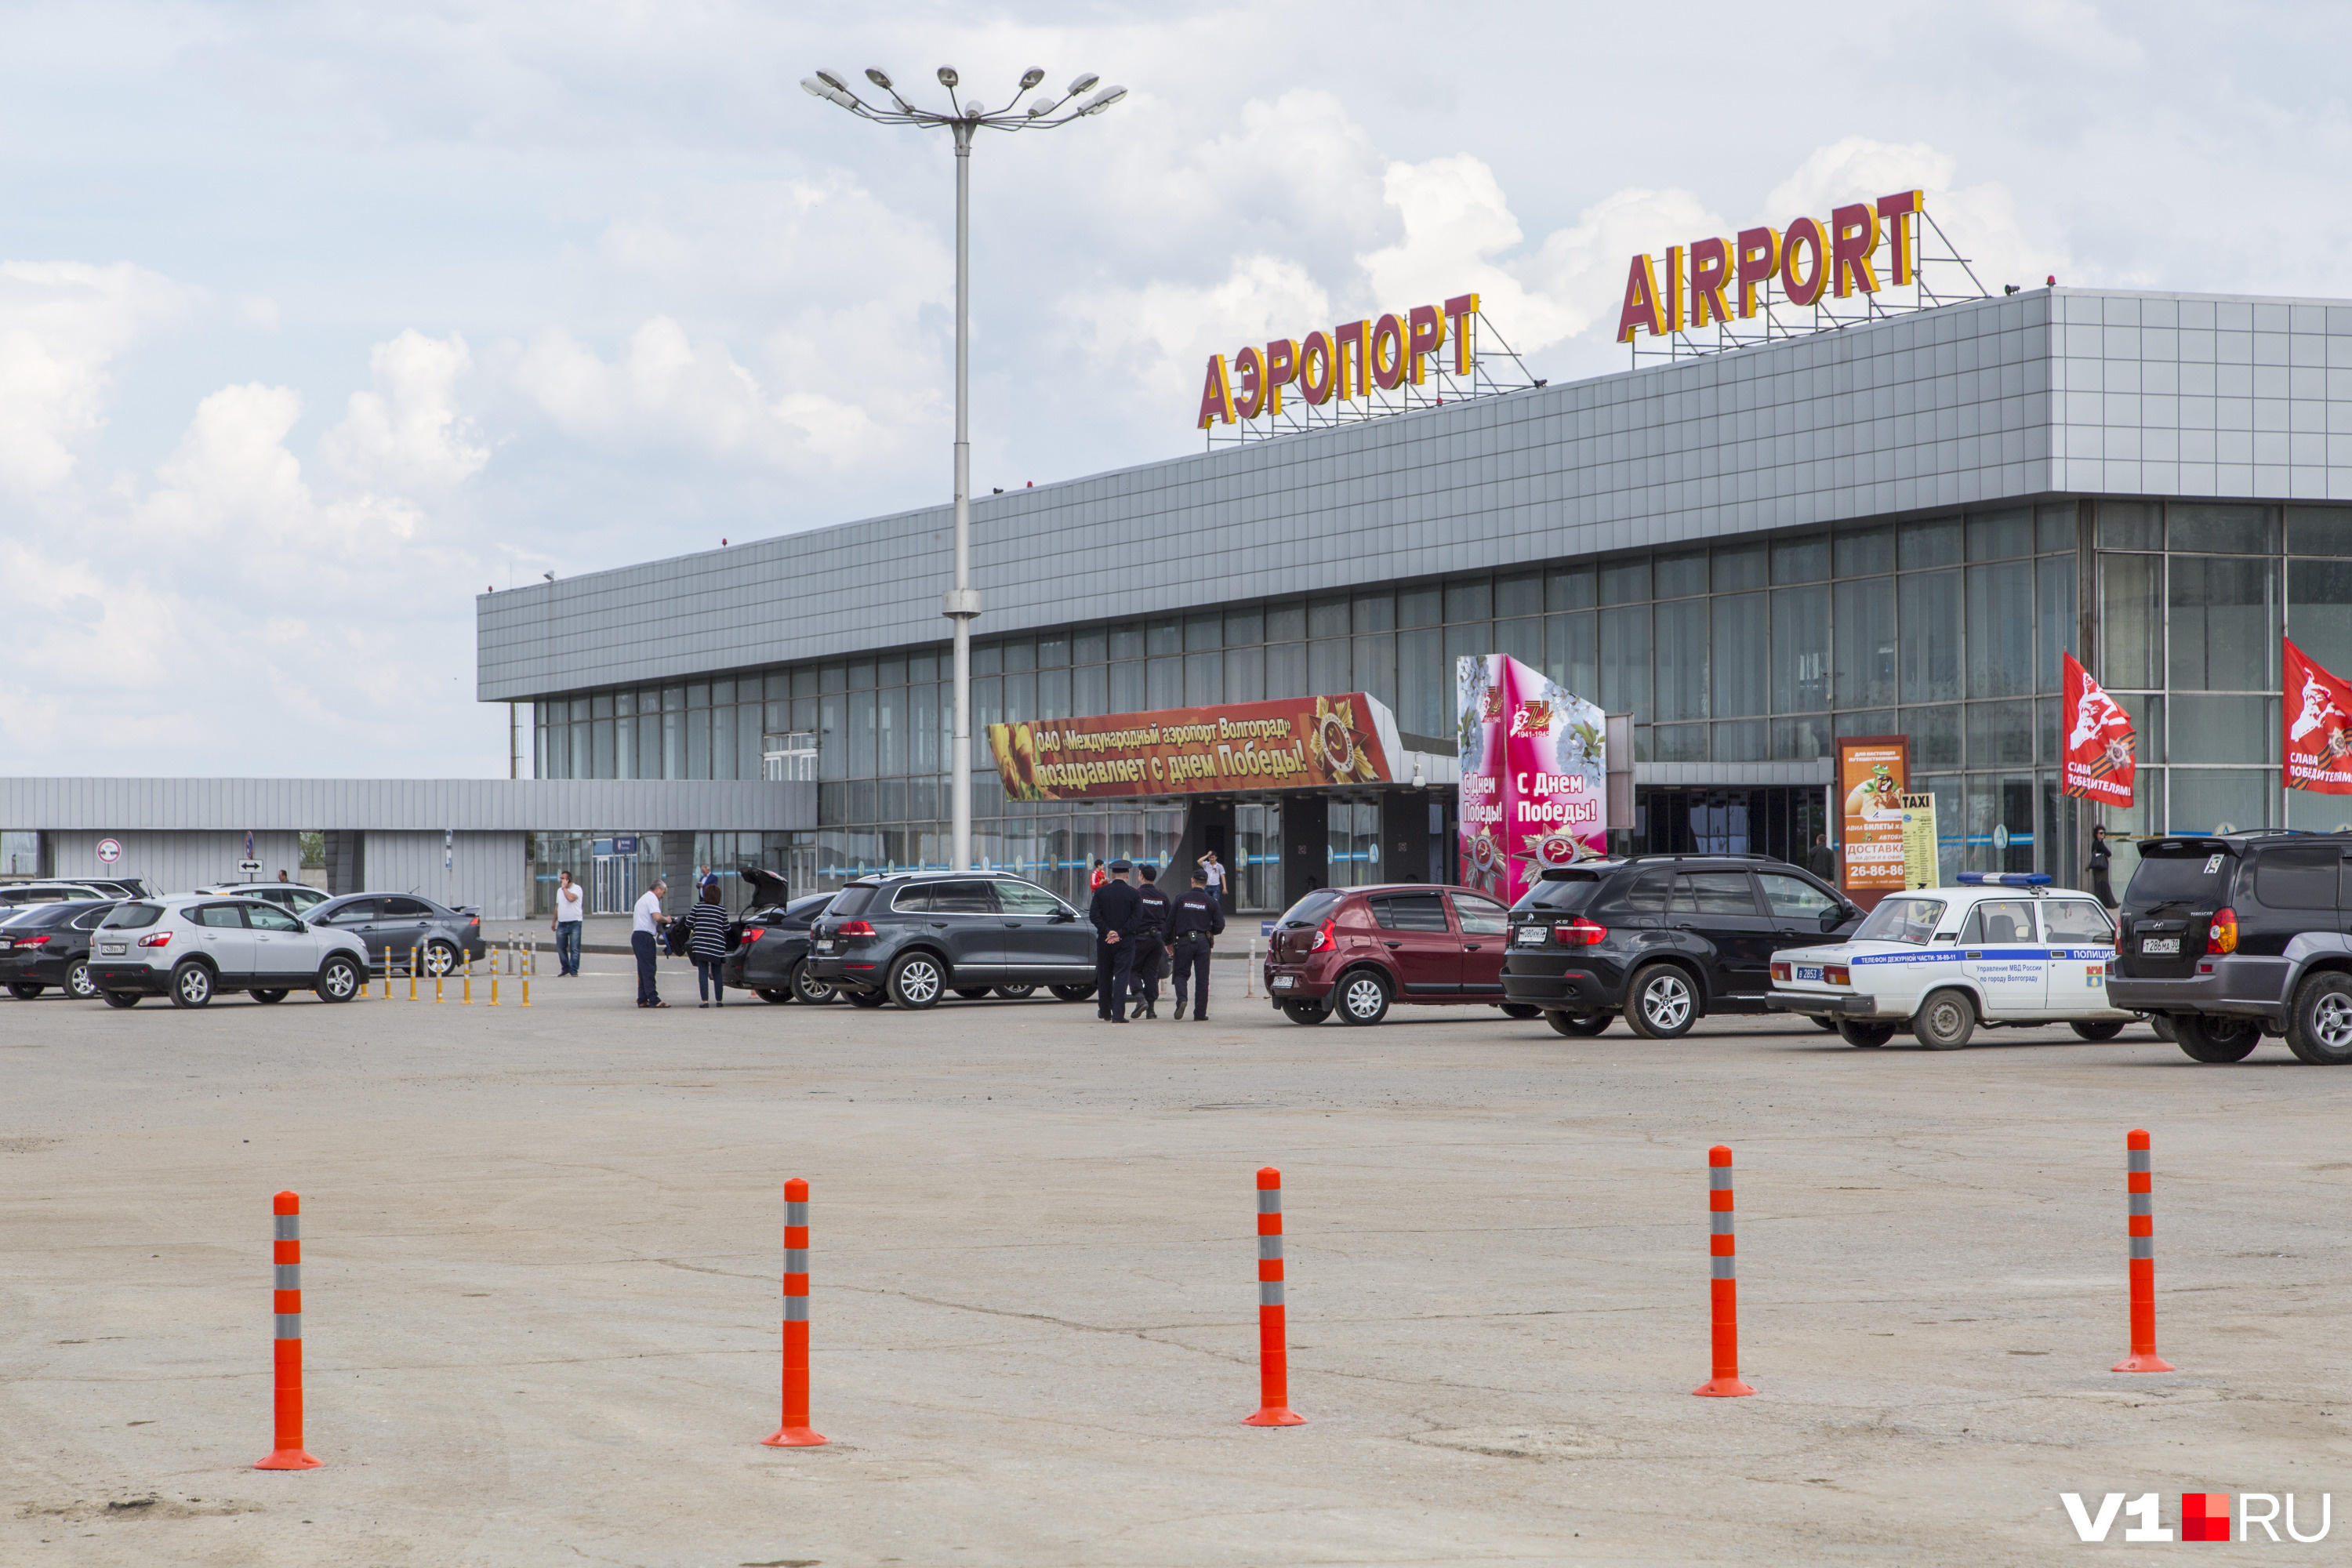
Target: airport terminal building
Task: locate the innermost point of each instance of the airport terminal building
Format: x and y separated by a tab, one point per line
1893	528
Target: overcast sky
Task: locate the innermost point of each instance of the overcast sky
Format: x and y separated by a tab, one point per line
318	319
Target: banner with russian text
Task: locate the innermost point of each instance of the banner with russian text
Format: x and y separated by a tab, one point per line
2102	749
2318	709
1534	774
1873	773
1297	742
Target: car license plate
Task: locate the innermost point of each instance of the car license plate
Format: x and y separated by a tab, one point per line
825	946
1808	972
1284	982
2160	944
1530	936
113	949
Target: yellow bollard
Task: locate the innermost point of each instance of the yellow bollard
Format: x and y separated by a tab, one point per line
494	985
436	989
526	990
468	998
411	971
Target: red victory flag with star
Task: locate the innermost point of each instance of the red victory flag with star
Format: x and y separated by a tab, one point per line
2318	709
2101	746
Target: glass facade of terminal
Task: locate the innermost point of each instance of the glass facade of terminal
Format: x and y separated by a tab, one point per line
1750	651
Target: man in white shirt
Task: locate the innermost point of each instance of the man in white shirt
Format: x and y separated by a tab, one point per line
649	920
571	904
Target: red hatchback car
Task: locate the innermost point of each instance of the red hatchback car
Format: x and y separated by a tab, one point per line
1356	951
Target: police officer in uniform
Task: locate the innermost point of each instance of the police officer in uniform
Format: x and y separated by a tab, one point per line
1114	911
1193	924
1150	940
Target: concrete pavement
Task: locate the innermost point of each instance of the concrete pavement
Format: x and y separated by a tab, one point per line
542	1253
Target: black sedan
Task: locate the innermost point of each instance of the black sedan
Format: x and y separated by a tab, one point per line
392	926
769	959
49	944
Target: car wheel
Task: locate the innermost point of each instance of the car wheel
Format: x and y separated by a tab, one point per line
916	980
771	994
1305	1012
123	998
2215	1039
1867	1037
1073	992
2102	1031
191	985
1361	996
271	997
1576	1026
1945	1020
1661	1004
973	993
22	992
2319	1026
863	998
812	990
78	984
440	958
1016	993
1520	1010
2161	1025
339	979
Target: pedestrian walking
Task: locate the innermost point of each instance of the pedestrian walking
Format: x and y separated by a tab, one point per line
1150	940
1212	876
1099	876
648	921
1821	860
571	905
2102	857
1194	923
1114	911
705	942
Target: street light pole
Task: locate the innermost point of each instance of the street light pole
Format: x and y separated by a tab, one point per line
961	604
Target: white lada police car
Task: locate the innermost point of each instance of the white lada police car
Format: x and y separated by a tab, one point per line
1999	949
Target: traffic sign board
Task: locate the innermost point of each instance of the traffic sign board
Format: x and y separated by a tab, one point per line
109	851
250	868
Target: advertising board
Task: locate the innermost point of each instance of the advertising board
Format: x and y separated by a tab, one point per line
1873	772
1534	774
1294	743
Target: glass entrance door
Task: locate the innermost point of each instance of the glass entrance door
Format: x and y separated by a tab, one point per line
614	881
1256	864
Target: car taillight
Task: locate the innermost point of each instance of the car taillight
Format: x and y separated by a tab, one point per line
157	939
2224	937
1323	941
1580	933
475	921
753	933
32	940
1784	971
856	928
1836	974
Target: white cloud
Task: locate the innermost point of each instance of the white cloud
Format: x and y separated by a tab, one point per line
1980	221
409	431
62	323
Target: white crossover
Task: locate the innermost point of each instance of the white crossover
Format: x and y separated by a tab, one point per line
192	946
1998	950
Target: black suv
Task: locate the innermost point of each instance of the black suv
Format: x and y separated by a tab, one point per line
1663	938
912	938
2231	936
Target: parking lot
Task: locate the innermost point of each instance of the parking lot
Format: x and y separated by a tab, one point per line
542	1249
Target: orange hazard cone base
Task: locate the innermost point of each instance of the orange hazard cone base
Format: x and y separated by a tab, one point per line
288	1460
796	1438
1275	1415
2150	1363
1723	1388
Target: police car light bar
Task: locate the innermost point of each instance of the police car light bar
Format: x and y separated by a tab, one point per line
2005	879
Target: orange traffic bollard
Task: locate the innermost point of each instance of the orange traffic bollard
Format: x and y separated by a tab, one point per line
794	1432
1273	1330
2139	1224
1723	1290
287	1255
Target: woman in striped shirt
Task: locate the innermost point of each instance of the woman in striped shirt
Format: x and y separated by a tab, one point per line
705	942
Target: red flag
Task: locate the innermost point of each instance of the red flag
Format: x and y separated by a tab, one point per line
2101	758
2318	709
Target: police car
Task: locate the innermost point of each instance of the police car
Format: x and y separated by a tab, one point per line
1998	949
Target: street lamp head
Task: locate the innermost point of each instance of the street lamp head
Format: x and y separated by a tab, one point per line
831	79
972	110
1081	84
1103	100
948	77
1032	77
879	78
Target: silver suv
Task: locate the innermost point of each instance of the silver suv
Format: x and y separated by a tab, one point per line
192	946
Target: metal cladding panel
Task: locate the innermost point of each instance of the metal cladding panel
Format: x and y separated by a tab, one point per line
483	871
174	861
111	805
